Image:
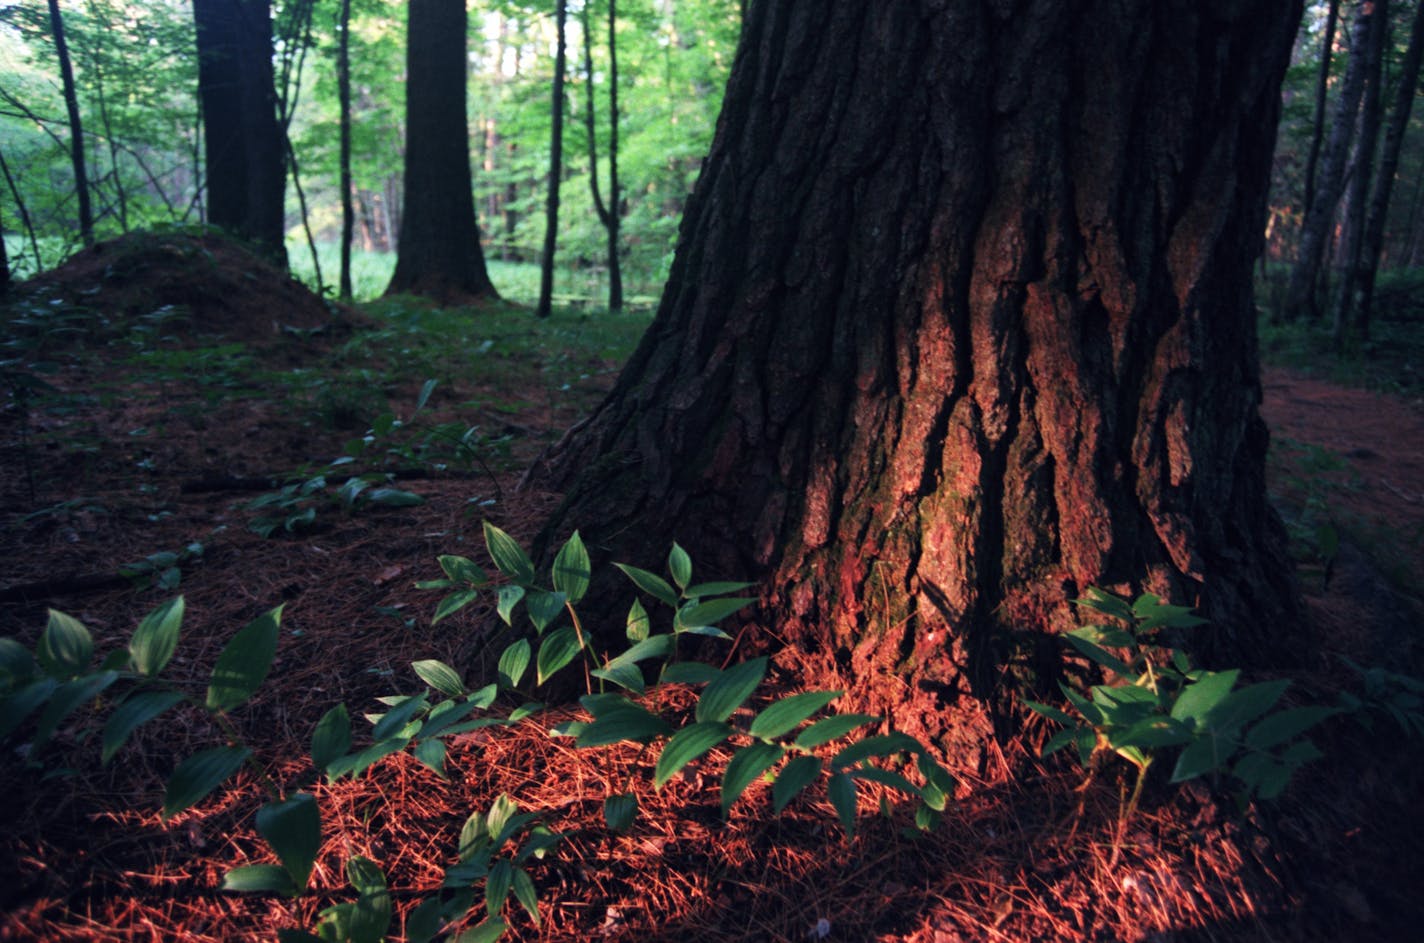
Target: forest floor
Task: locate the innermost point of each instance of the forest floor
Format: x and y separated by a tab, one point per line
156	390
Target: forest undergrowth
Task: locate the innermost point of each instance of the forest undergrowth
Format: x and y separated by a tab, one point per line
162	438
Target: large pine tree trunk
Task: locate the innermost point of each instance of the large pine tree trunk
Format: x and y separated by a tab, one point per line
960	324
244	144
438	252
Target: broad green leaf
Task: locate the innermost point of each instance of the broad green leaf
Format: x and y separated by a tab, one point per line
572	569
620	810
447	715
439	676
358	763
687	745
543	608
1262	774
559	647
783	716
704	614
1152	733
628	677
498	885
489	930
485	696
1052	713
657	646
244	663
628	722
638	624
1245	705
837	725
841	791
1059	740
426	389
728	692
15	708
508	556
260	879
1152	613
1200	757
539	843
371	917
462	570
65	647
473	835
1197	700
293	829
1099	655
508	597
17	665
745	766
600	703
331	737
425	920
156	638
715	589
136	710
1106	603
395	719
650	583
680	566
1091	712
199	775
1104	636
513	662
798	773
525	710
881	745
394	498
432	754
1285	725
526	895
453	603
690	672
708	631
67	698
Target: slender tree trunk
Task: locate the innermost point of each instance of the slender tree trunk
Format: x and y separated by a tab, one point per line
438	253
121	200
76	127
1408	256
1322	89
607	213
25	222
4	259
343	83
959	325
1373	241
1300	289
556	165
1366	141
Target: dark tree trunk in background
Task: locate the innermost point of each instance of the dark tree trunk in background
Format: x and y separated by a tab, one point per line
76	127
1373	242
343	91
608	213
556	164
438	253
246	175
1315	231
1322	89
960	324
1357	196
4	260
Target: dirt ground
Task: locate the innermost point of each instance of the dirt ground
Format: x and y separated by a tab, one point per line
132	464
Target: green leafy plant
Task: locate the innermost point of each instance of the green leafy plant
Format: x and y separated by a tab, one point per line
162	569
1154	700
1391	694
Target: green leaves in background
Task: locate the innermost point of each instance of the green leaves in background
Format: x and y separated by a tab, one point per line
244	662
156	638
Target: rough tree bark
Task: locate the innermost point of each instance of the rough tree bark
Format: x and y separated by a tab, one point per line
76	128
343	94
960	324
244	145
556	163
438	252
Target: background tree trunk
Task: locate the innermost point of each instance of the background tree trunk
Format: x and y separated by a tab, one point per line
1373	241
1366	141
1322	91
76	127
438	252
608	214
343	84
556	163
1315	231
246	176
950	341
